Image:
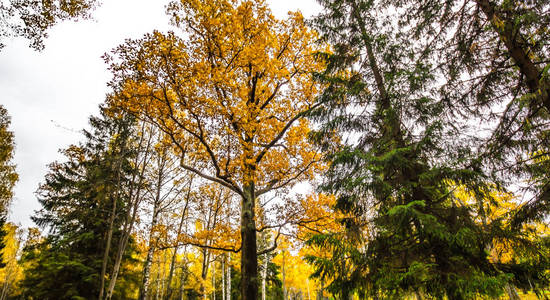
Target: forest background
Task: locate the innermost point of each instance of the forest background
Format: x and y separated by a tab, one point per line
400	150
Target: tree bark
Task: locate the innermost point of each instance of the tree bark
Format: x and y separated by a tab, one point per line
285	294
214	280
107	249
204	272
511	291
174	255
249	257
223	277
514	42
135	199
144	290
228	286
264	276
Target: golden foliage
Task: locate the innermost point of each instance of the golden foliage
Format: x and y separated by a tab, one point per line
232	94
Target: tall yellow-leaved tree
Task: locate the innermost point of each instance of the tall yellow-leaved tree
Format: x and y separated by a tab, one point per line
230	91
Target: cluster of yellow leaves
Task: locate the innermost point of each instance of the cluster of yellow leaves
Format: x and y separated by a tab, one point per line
12	273
211	217
318	215
499	205
231	93
297	271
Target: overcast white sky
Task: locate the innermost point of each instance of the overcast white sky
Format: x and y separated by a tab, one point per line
50	94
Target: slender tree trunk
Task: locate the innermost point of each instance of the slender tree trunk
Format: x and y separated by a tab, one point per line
7	283
285	294
121	249
157	292
178	233
163	275
149	258
183	274
308	294
321	289
214	280
171	273
152	241
228	287
223	277
264	276
107	249
511	291
249	256
111	222
204	271
135	199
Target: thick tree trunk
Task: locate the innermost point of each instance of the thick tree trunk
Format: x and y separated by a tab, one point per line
249	257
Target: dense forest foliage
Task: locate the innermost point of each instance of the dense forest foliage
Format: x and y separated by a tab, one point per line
384	149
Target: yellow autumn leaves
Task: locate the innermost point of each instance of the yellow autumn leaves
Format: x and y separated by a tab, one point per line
232	93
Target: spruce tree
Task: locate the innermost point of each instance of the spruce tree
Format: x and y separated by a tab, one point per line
493	61
402	153
77	200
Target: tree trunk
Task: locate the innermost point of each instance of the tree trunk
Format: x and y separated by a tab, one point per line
7	284
249	257
511	291
111	222
214	280
152	242
308	294
149	259
163	275
204	272
107	249
264	276
183	274
228	286
321	289
285	294
180	227
157	293
514	42
135	200
223	277
171	274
